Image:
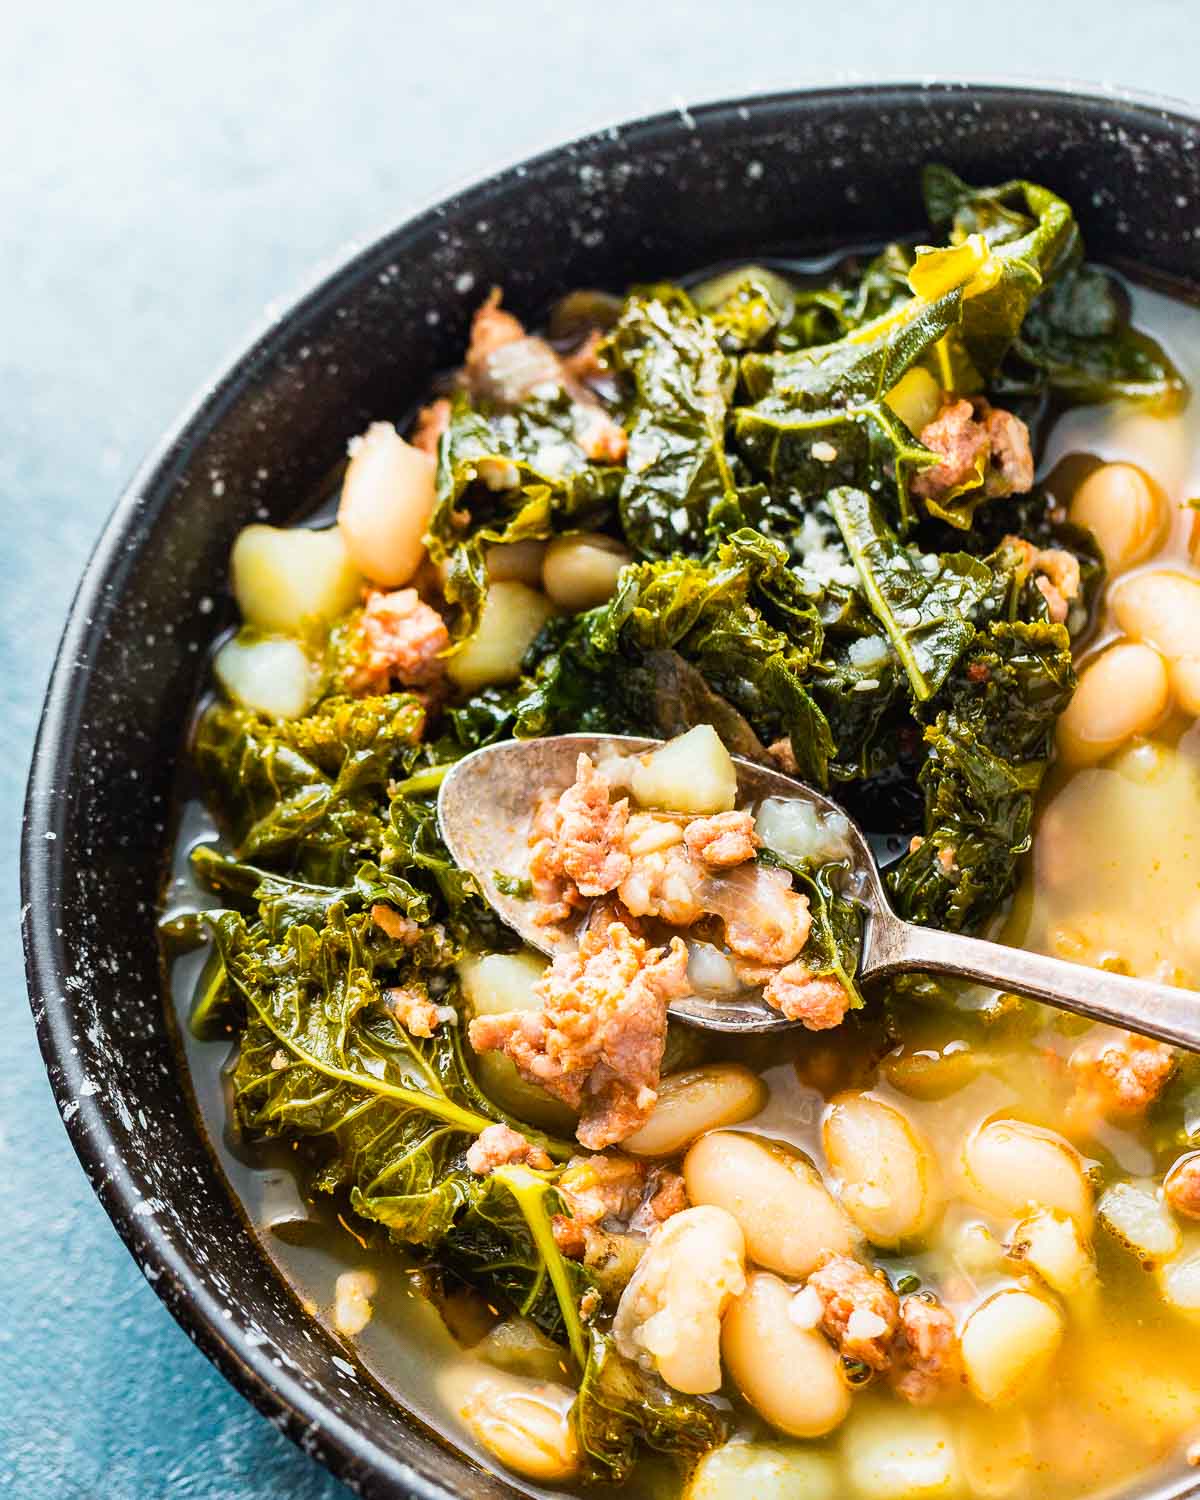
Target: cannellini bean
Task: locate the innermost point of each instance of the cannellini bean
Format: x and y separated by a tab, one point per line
786	1212
1052	1245
270	674
1136	1216
669	1316
524	1424
1007	1343
693	1102
691	774
1184	673
1124	509
516	560
763	1471
513	613
499	982
1121	693
581	571
1161	609
889	1181
283	577
790	1375
1012	1168
387	499
915	398
893	1453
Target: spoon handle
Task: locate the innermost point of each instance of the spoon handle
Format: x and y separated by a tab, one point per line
1158	1010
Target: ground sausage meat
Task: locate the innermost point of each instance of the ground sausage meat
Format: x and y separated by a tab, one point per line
818	1000
1120	1075
927	1360
498	1145
1056	575
665	883
403	639
766	921
860	1310
722	840
399	928
1182	1186
597	1040
432	421
978	443
415	1012
589	830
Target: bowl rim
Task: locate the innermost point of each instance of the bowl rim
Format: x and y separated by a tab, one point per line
341	1446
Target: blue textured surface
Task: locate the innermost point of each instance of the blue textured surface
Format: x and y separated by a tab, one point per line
165	172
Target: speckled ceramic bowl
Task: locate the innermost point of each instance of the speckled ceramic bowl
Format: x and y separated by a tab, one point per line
800	172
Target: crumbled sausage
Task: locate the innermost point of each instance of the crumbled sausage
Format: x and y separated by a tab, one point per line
669	1195
403	639
432	421
1120	1075
859	1309
1056	574
927	1360
1182	1186
820	1001
415	1012
497	1145
766	921
978	443
665	883
589	830
784	757
722	840
597	1040
400	928
504	364
615	1192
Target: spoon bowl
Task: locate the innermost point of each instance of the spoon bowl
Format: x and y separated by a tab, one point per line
485	810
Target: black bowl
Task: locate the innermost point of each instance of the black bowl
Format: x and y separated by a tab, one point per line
797	172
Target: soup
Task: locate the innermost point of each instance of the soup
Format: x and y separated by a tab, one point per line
931	1241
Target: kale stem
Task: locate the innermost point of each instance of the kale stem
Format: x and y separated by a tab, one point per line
529	1190
422	781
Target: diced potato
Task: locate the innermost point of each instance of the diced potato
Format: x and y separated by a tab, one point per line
915	398
1007	1343
899	1453
692	774
387	499
267	673
521	1348
996	1452
513	613
1134	1213
283	578
763	1471
499	982
1051	1244
1179	1282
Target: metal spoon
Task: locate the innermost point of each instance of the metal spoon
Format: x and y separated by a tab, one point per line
485	808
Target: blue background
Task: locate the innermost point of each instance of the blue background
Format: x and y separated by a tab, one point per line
166	172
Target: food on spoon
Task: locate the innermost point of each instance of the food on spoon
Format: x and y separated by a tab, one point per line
791	516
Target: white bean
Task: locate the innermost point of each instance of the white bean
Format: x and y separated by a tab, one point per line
696	1101
895	1453
1184	673
1013	1168
776	1195
889	1181
581	571
763	1471
1121	693
513	613
790	1375
352	1293
283	578
1007	1343
521	561
669	1316
1161	609
387	499
524	1424
1124	509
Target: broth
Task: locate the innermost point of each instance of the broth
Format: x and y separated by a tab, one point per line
1113	880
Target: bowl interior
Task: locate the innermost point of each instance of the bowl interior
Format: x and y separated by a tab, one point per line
799	173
